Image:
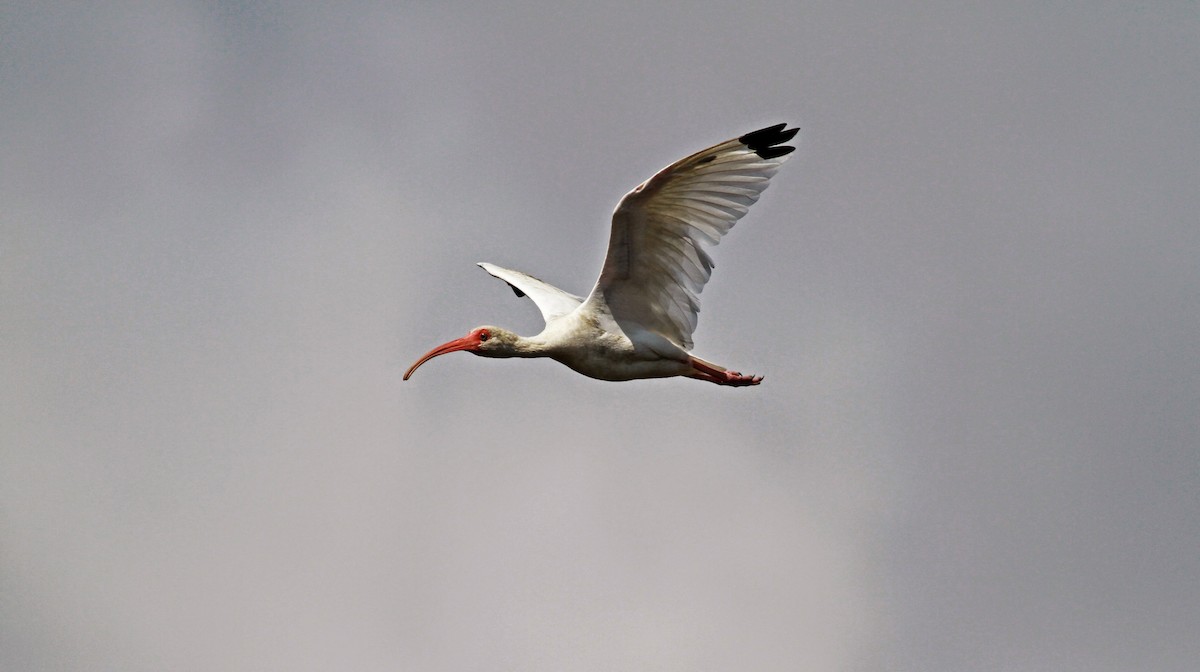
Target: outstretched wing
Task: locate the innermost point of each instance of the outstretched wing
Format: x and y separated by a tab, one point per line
656	268
552	301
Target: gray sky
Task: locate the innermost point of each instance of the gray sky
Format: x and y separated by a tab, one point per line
225	231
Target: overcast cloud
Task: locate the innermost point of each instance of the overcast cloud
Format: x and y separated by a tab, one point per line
227	228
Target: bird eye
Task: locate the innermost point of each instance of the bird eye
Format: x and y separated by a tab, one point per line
483	335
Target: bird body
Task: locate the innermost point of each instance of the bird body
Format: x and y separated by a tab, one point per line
596	345
638	320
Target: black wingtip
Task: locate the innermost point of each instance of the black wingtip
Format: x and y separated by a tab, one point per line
516	291
768	142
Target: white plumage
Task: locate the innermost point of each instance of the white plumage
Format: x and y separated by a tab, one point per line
638	320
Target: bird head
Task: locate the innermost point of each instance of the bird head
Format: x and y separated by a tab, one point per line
484	341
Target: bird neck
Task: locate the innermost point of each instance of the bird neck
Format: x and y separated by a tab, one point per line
516	346
528	346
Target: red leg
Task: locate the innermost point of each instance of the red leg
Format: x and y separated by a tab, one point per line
715	374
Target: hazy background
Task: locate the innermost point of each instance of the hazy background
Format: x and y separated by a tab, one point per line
227	228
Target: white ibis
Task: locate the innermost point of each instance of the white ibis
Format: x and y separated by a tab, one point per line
638	320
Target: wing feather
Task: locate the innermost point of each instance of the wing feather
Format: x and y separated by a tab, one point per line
550	300
656	264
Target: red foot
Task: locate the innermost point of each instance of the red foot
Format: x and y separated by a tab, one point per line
738	380
714	374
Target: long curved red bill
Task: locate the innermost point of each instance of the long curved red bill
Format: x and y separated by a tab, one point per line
468	342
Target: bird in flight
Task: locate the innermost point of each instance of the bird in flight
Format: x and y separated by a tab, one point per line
639	318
